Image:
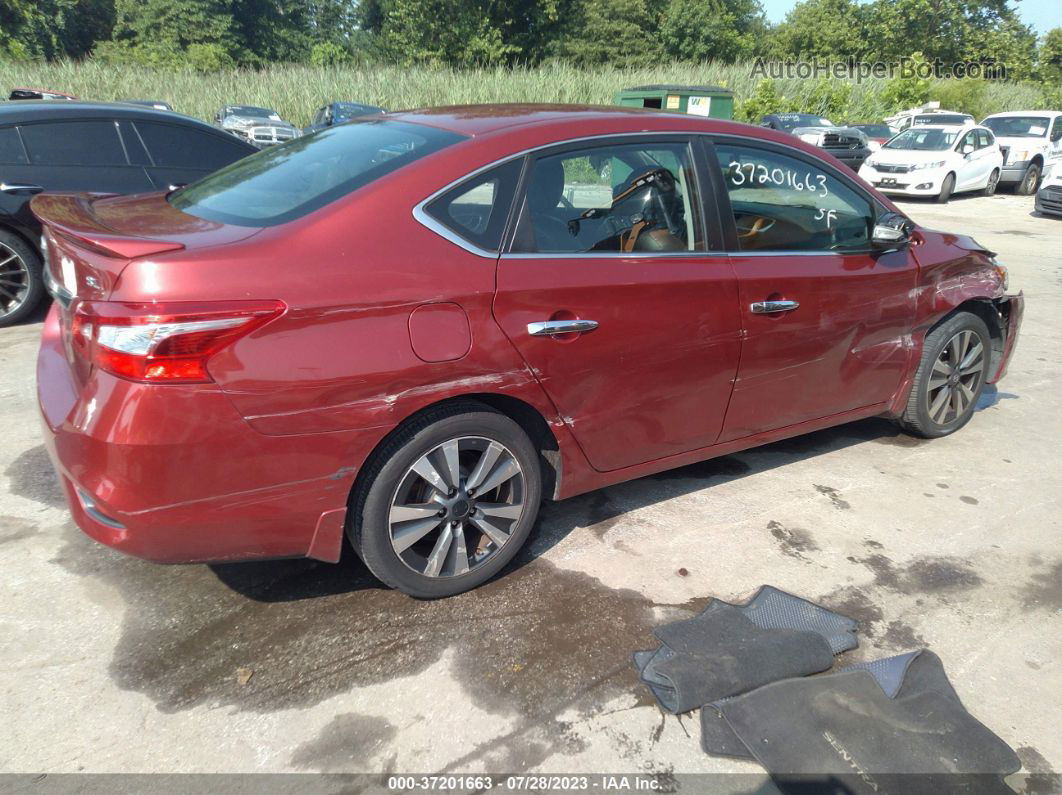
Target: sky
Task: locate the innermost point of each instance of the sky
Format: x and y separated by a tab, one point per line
1041	14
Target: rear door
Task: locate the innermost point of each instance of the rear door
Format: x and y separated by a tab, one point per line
81	155
622	306
180	154
826	320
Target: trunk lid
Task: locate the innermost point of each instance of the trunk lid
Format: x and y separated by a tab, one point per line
89	239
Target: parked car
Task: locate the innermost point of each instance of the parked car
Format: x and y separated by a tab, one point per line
916	117
936	161
1031	141
338	112
157	104
1049	197
258	126
82	146
877	134
847	144
37	93
527	301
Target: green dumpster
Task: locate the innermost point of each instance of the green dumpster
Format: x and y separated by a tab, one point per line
712	101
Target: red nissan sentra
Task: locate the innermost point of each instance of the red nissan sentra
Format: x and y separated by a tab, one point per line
410	328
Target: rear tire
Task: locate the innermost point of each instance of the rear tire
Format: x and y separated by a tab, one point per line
950	378
946	189
993	183
1030	181
21	279
396	503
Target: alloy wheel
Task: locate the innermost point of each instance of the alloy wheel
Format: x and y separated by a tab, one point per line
956	376
14	280
456	506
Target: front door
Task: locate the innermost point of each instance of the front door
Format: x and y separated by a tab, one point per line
826	320
612	297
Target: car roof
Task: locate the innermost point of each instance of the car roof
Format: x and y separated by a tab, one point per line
474	120
1006	113
29	110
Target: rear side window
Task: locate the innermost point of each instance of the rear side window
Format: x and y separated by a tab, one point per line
74	143
477	209
11	150
288	181
173	146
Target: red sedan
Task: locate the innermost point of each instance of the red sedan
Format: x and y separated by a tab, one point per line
410	328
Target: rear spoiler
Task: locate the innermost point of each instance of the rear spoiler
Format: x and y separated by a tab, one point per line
70	216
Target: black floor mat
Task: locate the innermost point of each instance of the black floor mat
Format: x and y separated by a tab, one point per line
731	649
843	726
903	675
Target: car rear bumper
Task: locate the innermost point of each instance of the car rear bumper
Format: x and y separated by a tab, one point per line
173	473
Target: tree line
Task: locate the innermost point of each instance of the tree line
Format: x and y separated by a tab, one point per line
215	34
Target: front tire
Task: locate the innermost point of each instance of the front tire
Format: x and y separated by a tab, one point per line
21	279
1030	181
950	378
946	189
448	501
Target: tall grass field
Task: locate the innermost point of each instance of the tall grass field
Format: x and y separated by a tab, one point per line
295	91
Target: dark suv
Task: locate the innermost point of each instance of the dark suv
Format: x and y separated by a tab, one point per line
96	147
847	144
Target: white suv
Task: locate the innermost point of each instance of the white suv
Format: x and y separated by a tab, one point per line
1031	141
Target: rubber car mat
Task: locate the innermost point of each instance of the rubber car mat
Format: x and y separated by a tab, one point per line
722	653
902	675
843	726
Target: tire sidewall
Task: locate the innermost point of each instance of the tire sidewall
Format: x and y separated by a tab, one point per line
935	343
946	189
32	261
370	532
1030	180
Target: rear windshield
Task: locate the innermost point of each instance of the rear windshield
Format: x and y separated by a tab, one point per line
941	118
286	182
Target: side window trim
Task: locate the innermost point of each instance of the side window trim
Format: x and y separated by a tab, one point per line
425	218
688	139
727	214
143	143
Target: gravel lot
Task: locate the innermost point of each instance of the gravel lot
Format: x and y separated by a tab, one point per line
111	664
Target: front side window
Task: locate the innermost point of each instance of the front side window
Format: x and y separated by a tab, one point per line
288	181
785	203
478	208
623	198
74	143
968	143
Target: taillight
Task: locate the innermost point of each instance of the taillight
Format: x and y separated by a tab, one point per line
163	342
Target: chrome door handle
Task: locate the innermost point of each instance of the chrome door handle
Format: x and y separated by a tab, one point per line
19	187
766	307
547	328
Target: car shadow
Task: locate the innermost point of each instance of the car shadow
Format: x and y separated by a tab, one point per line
597	511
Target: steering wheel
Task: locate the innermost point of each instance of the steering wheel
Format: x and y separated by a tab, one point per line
752	225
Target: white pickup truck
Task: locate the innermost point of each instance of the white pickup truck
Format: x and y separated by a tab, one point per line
1031	141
